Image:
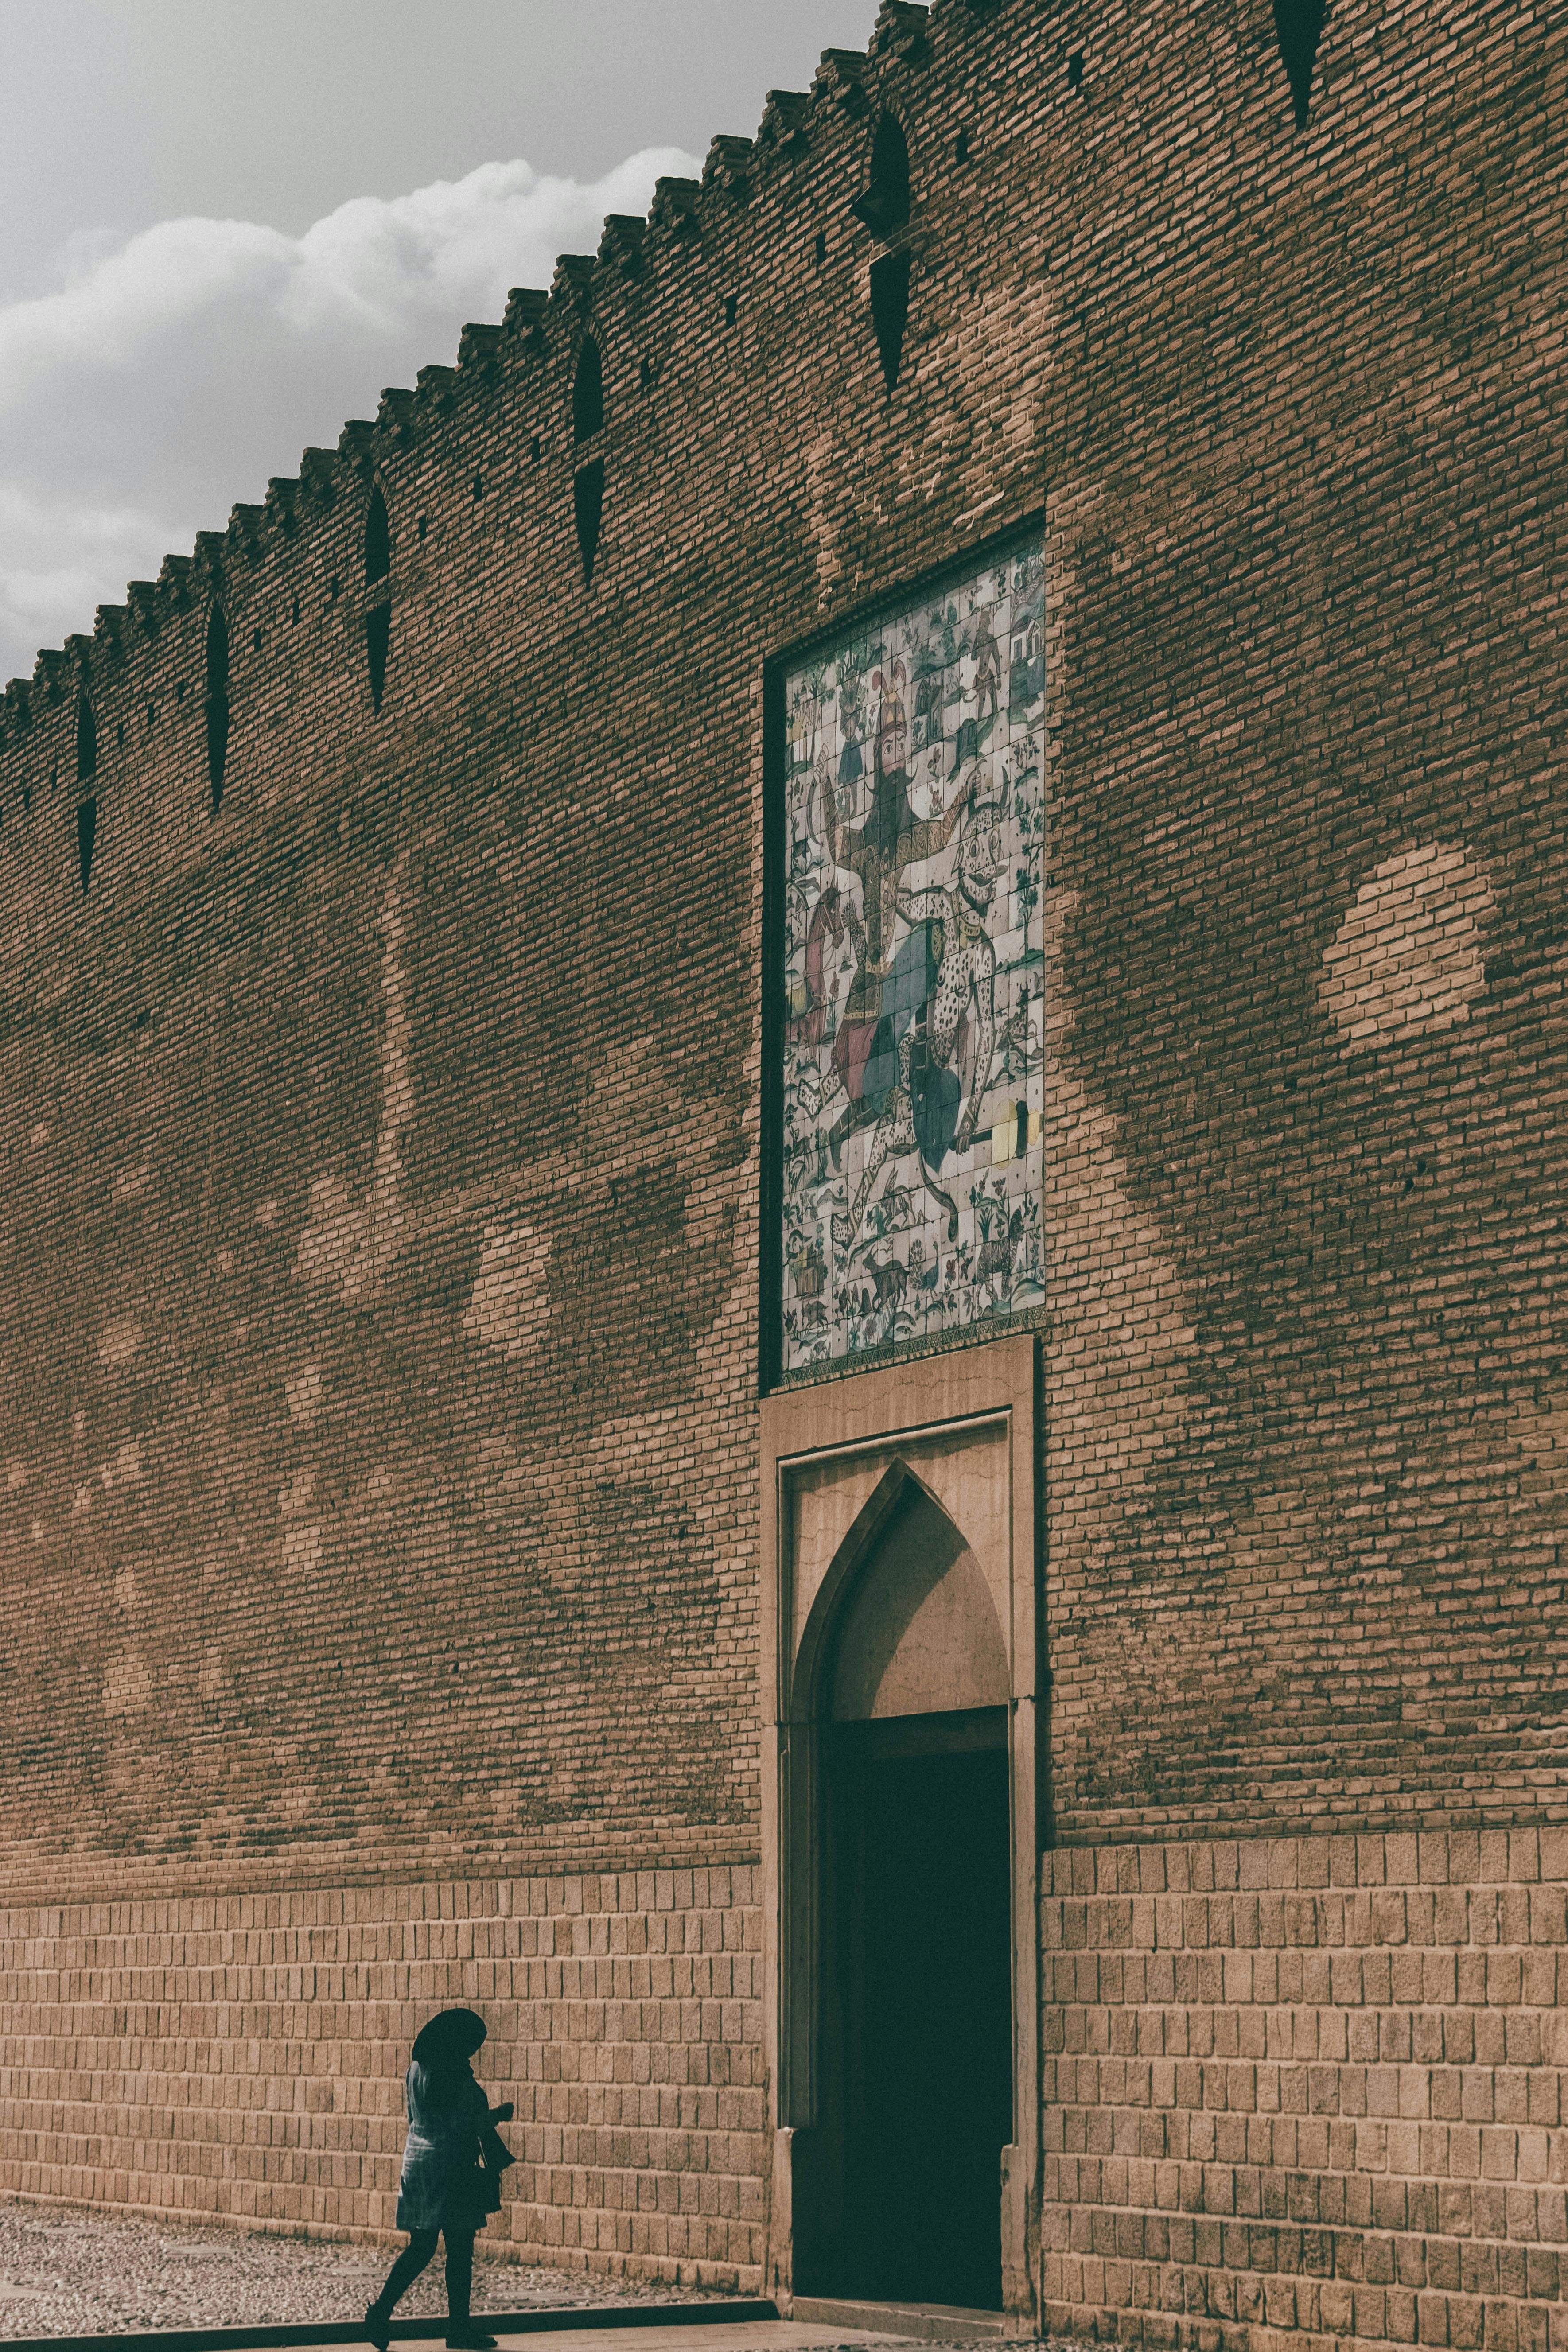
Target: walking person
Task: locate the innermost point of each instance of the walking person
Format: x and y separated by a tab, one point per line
452	2163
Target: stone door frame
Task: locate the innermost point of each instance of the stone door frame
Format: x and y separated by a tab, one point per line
990	1389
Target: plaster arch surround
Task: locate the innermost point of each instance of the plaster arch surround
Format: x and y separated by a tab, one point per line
900	1537
966	1475
919	1634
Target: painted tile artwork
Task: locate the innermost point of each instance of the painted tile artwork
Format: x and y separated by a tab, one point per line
913	1017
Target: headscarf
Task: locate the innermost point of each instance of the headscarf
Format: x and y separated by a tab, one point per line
452	2035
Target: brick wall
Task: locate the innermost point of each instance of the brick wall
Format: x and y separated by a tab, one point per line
379	1237
1307	1198
241	2056
1309	2085
379	1248
379	1265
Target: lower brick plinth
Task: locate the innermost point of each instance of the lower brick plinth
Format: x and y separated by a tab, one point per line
1308	2088
240	2057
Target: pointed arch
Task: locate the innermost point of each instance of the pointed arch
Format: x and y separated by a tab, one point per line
217	700
841	1660
807	1674
919	1633
963	1437
838	1700
587	392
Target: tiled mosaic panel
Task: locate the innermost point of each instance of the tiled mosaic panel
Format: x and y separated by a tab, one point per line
913	1025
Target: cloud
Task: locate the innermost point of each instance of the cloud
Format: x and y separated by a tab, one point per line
169	376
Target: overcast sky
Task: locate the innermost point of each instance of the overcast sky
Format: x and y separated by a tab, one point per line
228	223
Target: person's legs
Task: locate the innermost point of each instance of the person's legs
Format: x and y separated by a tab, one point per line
461	2329
399	2279
459	2276
415	2254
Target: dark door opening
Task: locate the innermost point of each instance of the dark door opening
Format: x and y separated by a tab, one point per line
920	2005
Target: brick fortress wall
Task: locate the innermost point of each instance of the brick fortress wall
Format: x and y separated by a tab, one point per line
379	1255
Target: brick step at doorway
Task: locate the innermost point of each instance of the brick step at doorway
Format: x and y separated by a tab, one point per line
931	2323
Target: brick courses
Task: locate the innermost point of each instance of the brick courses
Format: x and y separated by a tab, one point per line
1308	2085
379	1249
242	2056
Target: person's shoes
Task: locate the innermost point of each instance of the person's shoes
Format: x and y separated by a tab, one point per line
471	2339
378	2326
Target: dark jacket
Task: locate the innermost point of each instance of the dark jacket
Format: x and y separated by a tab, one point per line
453	2157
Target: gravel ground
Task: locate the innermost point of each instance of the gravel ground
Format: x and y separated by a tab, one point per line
64	2271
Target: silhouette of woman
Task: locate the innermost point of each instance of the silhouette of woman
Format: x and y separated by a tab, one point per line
451	2169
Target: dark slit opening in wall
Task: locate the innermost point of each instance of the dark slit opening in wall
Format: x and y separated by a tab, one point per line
587	394
217	702
890	309
377	539
86	741
589	502
377	641
885	206
1299	25
86	832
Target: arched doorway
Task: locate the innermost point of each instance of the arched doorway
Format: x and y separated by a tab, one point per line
907	1684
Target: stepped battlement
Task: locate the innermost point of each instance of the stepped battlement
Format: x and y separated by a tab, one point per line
642	266
656	299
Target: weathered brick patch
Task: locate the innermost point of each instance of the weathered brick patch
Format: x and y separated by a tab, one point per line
243	2057
1310	2083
